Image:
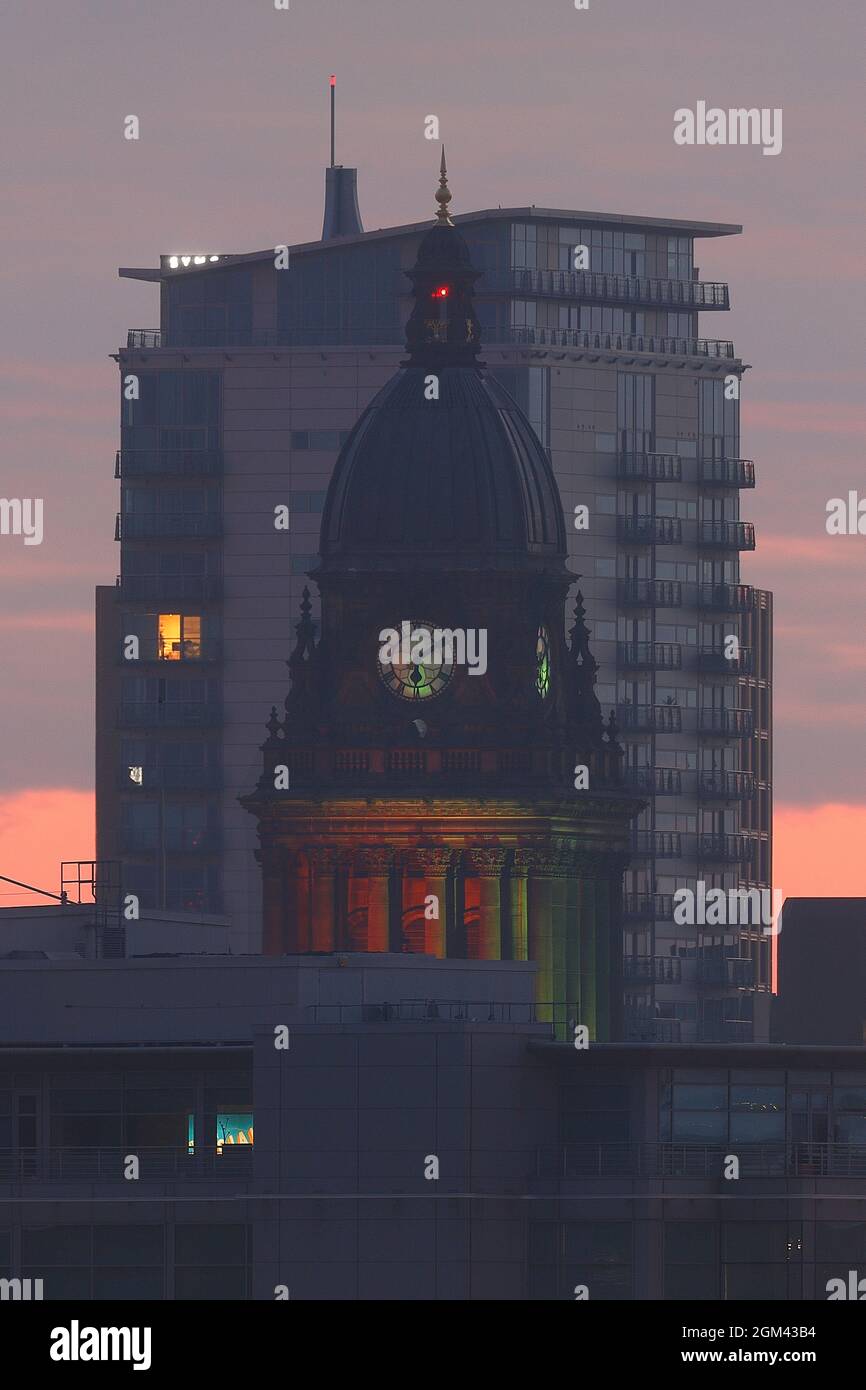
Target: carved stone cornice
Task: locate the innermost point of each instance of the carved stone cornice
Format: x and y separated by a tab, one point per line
373	859
324	858
487	860
432	860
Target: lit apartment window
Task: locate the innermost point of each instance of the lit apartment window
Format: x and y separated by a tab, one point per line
178	637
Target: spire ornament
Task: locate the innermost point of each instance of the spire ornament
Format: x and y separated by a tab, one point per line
443	195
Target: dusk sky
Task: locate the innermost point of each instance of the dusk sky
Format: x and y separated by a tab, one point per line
537	103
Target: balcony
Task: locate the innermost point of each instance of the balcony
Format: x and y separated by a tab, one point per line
635	656
186	652
726	472
662	844
172	778
649	530
729	970
140	526
726	786
143	338
657	781
171	588
711	659
726	598
196	463
666	719
650	468
234	1164
734	722
727	535
596	287
642	1026
681	1160
648	907
179	714
611	342
726	1030
660	970
649	593
726	849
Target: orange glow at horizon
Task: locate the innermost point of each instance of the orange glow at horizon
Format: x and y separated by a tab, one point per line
817	850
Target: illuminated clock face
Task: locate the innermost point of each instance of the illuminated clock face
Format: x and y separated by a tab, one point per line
542	662
413	664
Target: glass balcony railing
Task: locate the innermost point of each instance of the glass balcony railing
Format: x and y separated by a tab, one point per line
653	718
658	907
726	598
136	463
600	287
170	713
131	526
650	593
655	781
663	656
650	468
738	722
666	970
712	659
727	786
726	472
649	530
727	535
170	588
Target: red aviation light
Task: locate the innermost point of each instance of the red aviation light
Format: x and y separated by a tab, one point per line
442	292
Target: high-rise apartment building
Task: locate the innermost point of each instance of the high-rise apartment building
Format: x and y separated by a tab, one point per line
232	414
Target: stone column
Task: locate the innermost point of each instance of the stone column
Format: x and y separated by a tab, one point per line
425	873
542	872
375	864
517	894
275	926
296	930
486	863
324	865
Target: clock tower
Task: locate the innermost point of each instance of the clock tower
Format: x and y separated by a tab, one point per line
442	780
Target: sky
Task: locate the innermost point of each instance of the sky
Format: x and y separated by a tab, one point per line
537	103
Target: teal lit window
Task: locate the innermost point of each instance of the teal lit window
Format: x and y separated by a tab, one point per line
542	662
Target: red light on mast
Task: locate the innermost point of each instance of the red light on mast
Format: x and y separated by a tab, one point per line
333	81
442	292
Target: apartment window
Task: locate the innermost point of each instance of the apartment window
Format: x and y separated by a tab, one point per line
211	308
175	410
327	441
669	506
95	1262
680	821
684	695
605	568
635	411
679	326
178	637
530	388
676	569
679	258
718	421
686	636
604	631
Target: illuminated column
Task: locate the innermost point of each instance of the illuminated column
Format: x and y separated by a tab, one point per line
573	932
486	864
559	938
517	892
324	862
591	906
296	923
540	897
275	926
425	870
375	863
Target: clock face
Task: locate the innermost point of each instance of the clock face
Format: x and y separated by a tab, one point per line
414	666
542	662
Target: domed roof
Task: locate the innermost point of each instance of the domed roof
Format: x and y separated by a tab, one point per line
443	469
461	482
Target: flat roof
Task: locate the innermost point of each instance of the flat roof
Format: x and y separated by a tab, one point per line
675	226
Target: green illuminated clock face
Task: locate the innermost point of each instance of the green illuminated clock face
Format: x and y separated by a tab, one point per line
542	662
413	664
